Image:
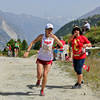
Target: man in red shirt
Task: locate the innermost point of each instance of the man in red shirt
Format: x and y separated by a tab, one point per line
79	43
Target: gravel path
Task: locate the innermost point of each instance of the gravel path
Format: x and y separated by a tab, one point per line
18	78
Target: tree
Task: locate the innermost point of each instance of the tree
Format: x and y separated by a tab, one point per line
37	45
20	43
11	42
98	23
24	45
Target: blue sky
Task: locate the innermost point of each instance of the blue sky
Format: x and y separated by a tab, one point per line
45	8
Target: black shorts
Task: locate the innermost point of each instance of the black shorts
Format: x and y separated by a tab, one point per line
87	29
16	48
78	64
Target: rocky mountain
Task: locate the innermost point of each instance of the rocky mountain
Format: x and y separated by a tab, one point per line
21	26
91	13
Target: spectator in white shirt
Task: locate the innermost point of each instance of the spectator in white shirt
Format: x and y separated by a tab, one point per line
86	26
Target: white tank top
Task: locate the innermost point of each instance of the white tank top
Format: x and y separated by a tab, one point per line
46	52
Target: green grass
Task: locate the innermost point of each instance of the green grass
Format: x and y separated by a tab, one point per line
4	53
93	77
0	53
94	34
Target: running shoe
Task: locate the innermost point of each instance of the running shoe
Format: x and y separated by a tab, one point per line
82	82
42	93
38	83
54	59
76	86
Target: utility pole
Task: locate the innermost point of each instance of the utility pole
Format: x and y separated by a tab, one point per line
95	27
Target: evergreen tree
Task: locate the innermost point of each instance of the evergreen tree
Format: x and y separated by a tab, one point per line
11	42
20	44
98	23
37	45
24	45
19	41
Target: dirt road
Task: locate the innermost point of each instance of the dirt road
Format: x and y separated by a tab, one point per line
18	78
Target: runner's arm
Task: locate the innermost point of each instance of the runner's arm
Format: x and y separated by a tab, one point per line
34	41
87	43
57	40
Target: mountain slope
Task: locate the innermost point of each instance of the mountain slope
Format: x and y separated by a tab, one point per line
25	26
93	17
21	26
8	30
3	38
67	28
91	13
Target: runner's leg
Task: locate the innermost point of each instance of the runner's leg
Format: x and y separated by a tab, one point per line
45	74
15	52
39	71
79	78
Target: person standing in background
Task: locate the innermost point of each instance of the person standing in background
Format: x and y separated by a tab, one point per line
16	48
86	27
62	49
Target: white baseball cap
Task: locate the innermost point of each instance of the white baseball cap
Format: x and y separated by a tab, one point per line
49	26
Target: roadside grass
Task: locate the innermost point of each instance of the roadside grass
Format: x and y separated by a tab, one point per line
20	54
91	78
0	53
32	52
94	35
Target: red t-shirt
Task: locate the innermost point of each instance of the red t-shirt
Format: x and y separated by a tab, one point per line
10	48
63	43
77	45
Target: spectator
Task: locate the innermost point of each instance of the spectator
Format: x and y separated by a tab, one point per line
55	52
86	26
61	50
16	48
9	50
79	44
